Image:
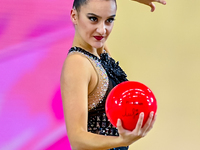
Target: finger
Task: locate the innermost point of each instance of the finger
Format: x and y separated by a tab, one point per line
119	125
152	123
148	123
162	2
153	7
139	123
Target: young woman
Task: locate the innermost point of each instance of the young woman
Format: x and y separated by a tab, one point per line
88	75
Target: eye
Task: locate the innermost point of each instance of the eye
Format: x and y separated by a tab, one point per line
93	19
110	20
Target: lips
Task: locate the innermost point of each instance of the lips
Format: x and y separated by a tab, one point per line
99	38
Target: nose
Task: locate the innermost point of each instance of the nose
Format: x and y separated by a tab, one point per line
101	29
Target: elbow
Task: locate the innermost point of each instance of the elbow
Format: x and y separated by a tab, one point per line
73	143
77	138
76	143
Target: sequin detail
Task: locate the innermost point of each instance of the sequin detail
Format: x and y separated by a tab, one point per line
109	74
101	125
97	95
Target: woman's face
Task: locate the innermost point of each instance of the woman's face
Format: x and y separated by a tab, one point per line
94	22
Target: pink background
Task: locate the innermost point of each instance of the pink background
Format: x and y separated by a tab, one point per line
35	36
159	49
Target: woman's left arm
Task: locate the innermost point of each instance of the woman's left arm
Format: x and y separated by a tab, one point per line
150	3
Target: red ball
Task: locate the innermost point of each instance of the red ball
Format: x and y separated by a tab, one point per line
127	100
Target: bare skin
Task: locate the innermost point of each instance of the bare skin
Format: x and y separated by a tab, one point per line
151	3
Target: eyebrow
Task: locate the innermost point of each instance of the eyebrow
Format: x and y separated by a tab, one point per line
91	14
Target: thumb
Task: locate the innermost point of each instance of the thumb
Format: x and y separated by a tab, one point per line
119	125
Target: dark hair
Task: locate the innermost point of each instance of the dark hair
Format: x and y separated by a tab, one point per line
78	3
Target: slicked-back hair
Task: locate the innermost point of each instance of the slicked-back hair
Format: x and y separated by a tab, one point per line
78	3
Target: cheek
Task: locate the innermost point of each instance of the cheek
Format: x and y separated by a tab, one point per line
109	29
86	27
82	24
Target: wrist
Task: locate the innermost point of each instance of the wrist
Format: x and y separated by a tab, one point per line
121	142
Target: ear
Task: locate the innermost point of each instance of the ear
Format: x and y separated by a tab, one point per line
74	16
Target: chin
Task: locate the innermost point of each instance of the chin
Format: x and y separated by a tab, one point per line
98	45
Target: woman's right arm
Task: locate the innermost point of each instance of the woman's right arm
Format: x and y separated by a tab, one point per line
75	79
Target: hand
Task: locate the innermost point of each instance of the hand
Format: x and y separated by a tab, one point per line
128	137
150	3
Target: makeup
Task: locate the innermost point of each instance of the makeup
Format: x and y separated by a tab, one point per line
98	38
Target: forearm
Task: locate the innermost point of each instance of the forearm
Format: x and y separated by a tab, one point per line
90	141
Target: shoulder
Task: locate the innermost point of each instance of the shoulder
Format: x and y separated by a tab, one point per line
76	66
76	59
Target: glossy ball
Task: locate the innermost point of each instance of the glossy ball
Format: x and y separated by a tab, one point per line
127	100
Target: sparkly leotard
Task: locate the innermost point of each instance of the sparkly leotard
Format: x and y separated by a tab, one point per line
109	75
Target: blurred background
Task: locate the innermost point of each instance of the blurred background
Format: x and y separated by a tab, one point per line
35	36
160	49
